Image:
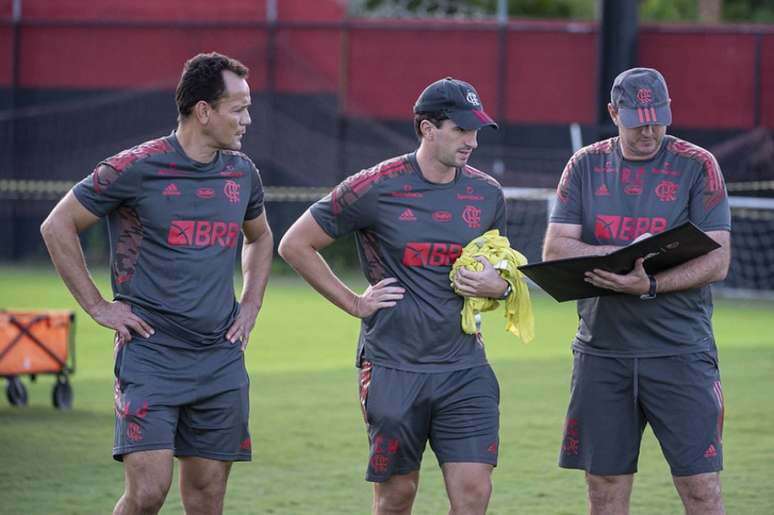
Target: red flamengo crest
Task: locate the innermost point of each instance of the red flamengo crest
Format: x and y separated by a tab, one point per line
666	191
644	96
231	190
134	432
380	463
571	443
472	216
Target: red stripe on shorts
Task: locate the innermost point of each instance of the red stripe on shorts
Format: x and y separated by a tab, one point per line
718	389
366	368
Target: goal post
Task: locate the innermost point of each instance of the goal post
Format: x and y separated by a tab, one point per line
750	276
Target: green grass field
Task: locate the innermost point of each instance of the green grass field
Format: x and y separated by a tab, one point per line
309	442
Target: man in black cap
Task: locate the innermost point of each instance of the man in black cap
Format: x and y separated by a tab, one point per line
421	377
646	355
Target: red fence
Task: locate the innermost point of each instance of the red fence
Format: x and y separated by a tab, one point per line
526	72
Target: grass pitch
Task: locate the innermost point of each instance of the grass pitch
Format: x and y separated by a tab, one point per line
309	442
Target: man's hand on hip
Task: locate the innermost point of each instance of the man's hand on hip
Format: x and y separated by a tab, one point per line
377	296
118	315
243	324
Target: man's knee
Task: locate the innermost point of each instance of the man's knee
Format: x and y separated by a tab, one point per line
214	489
395	495
393	503
471	496
604	489
148	478
146	497
204	485
701	489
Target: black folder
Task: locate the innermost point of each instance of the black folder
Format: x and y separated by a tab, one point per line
563	279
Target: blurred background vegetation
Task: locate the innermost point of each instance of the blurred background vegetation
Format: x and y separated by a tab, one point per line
706	11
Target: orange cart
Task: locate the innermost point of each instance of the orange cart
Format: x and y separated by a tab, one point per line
37	342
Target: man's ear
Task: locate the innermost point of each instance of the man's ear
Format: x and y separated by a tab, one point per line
202	110
613	113
426	128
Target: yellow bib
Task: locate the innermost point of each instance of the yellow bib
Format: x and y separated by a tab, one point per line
519	319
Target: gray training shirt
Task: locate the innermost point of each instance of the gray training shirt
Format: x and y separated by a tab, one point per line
615	201
174	225
413	230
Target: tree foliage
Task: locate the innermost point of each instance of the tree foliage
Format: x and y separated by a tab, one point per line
748	11
650	10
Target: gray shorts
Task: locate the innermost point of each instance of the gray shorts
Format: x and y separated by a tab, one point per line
194	402
457	411
613	399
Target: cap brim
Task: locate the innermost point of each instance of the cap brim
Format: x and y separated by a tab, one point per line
470	119
632	118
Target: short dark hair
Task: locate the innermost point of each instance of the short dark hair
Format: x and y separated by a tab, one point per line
202	79
434	117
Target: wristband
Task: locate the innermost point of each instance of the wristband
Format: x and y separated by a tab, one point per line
651	290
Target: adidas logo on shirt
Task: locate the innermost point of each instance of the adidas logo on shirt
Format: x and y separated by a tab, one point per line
407	216
171	190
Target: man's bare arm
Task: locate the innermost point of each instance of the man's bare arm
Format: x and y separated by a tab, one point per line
706	269
257	253
563	241
300	248
60	232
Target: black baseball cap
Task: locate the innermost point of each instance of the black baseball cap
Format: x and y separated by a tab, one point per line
641	98
458	100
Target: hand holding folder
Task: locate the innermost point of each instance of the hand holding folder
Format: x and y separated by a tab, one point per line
563	279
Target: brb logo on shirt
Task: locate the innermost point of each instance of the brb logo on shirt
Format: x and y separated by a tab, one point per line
202	233
627	228
430	254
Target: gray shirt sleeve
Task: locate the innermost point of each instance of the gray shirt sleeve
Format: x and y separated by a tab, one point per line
500	221
255	206
352	205
568	207
105	189
709	208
